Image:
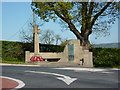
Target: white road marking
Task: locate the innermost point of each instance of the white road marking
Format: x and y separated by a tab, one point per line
21	83
6	64
106	72
88	69
68	80
99	70
82	69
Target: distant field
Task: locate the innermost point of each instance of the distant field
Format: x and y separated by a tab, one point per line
108	45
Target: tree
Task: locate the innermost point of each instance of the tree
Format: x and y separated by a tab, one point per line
48	37
26	37
58	38
82	18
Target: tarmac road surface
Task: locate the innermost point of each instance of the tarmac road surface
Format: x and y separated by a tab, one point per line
51	77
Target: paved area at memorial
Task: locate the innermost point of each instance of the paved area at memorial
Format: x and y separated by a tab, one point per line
68	77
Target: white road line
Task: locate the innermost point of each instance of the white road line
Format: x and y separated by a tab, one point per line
68	80
106	72
88	69
5	64
68	68
81	69
21	83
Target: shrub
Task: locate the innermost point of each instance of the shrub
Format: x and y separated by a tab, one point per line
106	57
12	51
51	48
15	52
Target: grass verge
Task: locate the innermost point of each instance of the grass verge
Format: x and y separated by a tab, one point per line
12	62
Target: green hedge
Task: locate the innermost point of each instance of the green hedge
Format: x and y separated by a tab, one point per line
106	57
51	48
15	52
12	51
43	47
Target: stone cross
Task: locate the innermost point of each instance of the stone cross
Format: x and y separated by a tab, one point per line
36	31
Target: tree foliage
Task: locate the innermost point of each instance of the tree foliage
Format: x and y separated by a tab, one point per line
81	18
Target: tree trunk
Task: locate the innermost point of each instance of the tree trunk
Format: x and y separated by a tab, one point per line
84	40
85	43
86	30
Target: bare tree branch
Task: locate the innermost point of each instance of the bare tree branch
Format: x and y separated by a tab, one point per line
98	14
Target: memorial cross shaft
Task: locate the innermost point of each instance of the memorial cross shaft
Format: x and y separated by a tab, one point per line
36	31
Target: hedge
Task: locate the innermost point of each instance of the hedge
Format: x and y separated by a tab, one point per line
106	57
15	51
12	51
102	57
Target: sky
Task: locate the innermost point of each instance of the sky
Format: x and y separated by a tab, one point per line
16	15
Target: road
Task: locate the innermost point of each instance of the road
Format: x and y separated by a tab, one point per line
48	77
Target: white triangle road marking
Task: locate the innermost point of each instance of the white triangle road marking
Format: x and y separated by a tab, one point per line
68	80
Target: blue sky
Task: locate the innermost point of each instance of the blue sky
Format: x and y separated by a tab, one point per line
16	14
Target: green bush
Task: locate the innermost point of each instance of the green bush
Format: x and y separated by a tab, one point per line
12	51
106	57
15	52
51	48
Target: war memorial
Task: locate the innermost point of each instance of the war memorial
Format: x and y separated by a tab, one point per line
73	52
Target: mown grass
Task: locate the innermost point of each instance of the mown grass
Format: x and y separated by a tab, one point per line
0	60
12	62
116	67
106	66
